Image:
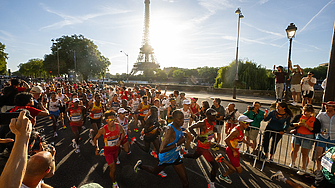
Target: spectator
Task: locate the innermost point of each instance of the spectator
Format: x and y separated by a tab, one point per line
305	124
12	174
7	100
25	100
257	115
177	97
295	83
219	119
231	115
205	106
280	121
279	82
327	133
307	88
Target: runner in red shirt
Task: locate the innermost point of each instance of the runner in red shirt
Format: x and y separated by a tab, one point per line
234	142
113	134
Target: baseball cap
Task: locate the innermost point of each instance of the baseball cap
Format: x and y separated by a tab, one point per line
186	101
329	103
121	111
172	99
36	89
76	100
244	118
193	99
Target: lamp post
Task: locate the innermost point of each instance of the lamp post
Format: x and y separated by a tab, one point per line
290	31
240	16
127	62
53	41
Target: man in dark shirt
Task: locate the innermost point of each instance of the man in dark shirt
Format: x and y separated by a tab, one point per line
279	82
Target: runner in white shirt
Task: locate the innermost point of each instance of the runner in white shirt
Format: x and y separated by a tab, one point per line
187	123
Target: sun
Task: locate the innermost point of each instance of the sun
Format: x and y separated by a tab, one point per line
167	37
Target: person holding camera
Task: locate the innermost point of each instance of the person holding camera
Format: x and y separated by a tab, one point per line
231	115
252	131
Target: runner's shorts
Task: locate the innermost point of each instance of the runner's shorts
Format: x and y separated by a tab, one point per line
235	161
97	121
55	113
111	155
206	153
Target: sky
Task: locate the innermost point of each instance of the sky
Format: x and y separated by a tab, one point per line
183	33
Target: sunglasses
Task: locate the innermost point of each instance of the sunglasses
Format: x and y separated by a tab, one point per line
110	120
245	122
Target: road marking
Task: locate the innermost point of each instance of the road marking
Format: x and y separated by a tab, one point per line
88	174
64	159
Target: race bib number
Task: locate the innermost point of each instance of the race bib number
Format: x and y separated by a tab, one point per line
326	162
76	118
97	115
145	111
112	142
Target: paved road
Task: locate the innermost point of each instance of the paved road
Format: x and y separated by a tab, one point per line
76	169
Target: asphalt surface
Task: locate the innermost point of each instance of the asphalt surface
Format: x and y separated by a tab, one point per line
77	169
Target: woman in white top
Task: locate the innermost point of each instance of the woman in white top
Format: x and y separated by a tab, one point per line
54	111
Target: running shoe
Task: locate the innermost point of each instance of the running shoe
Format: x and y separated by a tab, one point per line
162	174
135	129
129	153
92	142
137	166
301	173
118	161
278	176
132	141
64	127
115	185
219	158
226	179
90	135
74	144
102	152
153	153
215	147
77	150
55	134
211	185
142	137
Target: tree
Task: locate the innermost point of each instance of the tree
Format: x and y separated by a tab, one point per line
88	58
319	72
3	59
179	75
32	68
160	75
208	73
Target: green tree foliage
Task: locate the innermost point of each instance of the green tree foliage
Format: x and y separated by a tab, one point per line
160	75
251	76
89	60
33	68
319	72
208	74
179	75
3	59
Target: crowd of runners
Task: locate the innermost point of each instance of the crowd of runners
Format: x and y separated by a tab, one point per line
171	122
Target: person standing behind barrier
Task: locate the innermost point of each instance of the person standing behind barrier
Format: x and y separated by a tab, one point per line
203	109
307	84
279	82
231	115
219	119
306	124
257	115
327	134
295	83
280	121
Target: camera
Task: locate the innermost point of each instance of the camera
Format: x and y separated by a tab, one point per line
251	108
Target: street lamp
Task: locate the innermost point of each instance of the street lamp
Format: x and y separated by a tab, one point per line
127	62
53	41
240	16
290	31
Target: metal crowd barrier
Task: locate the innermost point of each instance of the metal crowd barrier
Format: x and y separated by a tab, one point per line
283	151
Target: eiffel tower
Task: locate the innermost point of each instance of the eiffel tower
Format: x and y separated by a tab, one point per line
146	58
